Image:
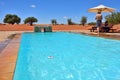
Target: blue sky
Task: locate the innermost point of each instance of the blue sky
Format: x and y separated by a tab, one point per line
61	10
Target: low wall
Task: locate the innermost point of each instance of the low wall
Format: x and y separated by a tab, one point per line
70	27
25	27
16	27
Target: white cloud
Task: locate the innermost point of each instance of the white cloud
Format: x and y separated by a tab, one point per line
33	6
76	17
65	17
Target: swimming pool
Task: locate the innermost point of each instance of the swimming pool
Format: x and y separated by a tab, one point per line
67	56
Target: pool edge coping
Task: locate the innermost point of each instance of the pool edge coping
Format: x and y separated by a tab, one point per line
15	41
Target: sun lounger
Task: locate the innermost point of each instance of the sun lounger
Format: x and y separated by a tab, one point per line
108	28
112	29
93	29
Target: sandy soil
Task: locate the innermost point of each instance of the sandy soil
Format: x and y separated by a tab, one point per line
5	34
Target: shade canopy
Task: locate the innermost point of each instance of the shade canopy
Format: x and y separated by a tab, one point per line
101	8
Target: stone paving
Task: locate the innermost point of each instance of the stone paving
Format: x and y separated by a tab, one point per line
4	44
8	58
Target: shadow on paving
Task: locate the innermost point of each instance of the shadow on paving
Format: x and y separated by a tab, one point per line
4	44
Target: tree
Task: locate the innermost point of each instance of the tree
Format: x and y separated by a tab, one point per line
53	21
70	22
30	20
16	19
83	20
11	19
113	18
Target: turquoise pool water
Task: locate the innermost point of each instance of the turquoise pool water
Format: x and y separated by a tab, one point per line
67	56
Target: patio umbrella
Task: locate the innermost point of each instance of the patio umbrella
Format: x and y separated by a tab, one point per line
101	8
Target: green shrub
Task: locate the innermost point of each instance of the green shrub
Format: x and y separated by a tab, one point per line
113	18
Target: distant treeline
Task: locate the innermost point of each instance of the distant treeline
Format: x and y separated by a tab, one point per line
113	18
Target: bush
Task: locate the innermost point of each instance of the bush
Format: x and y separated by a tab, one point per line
113	18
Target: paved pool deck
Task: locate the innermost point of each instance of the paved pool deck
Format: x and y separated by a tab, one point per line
115	36
8	57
